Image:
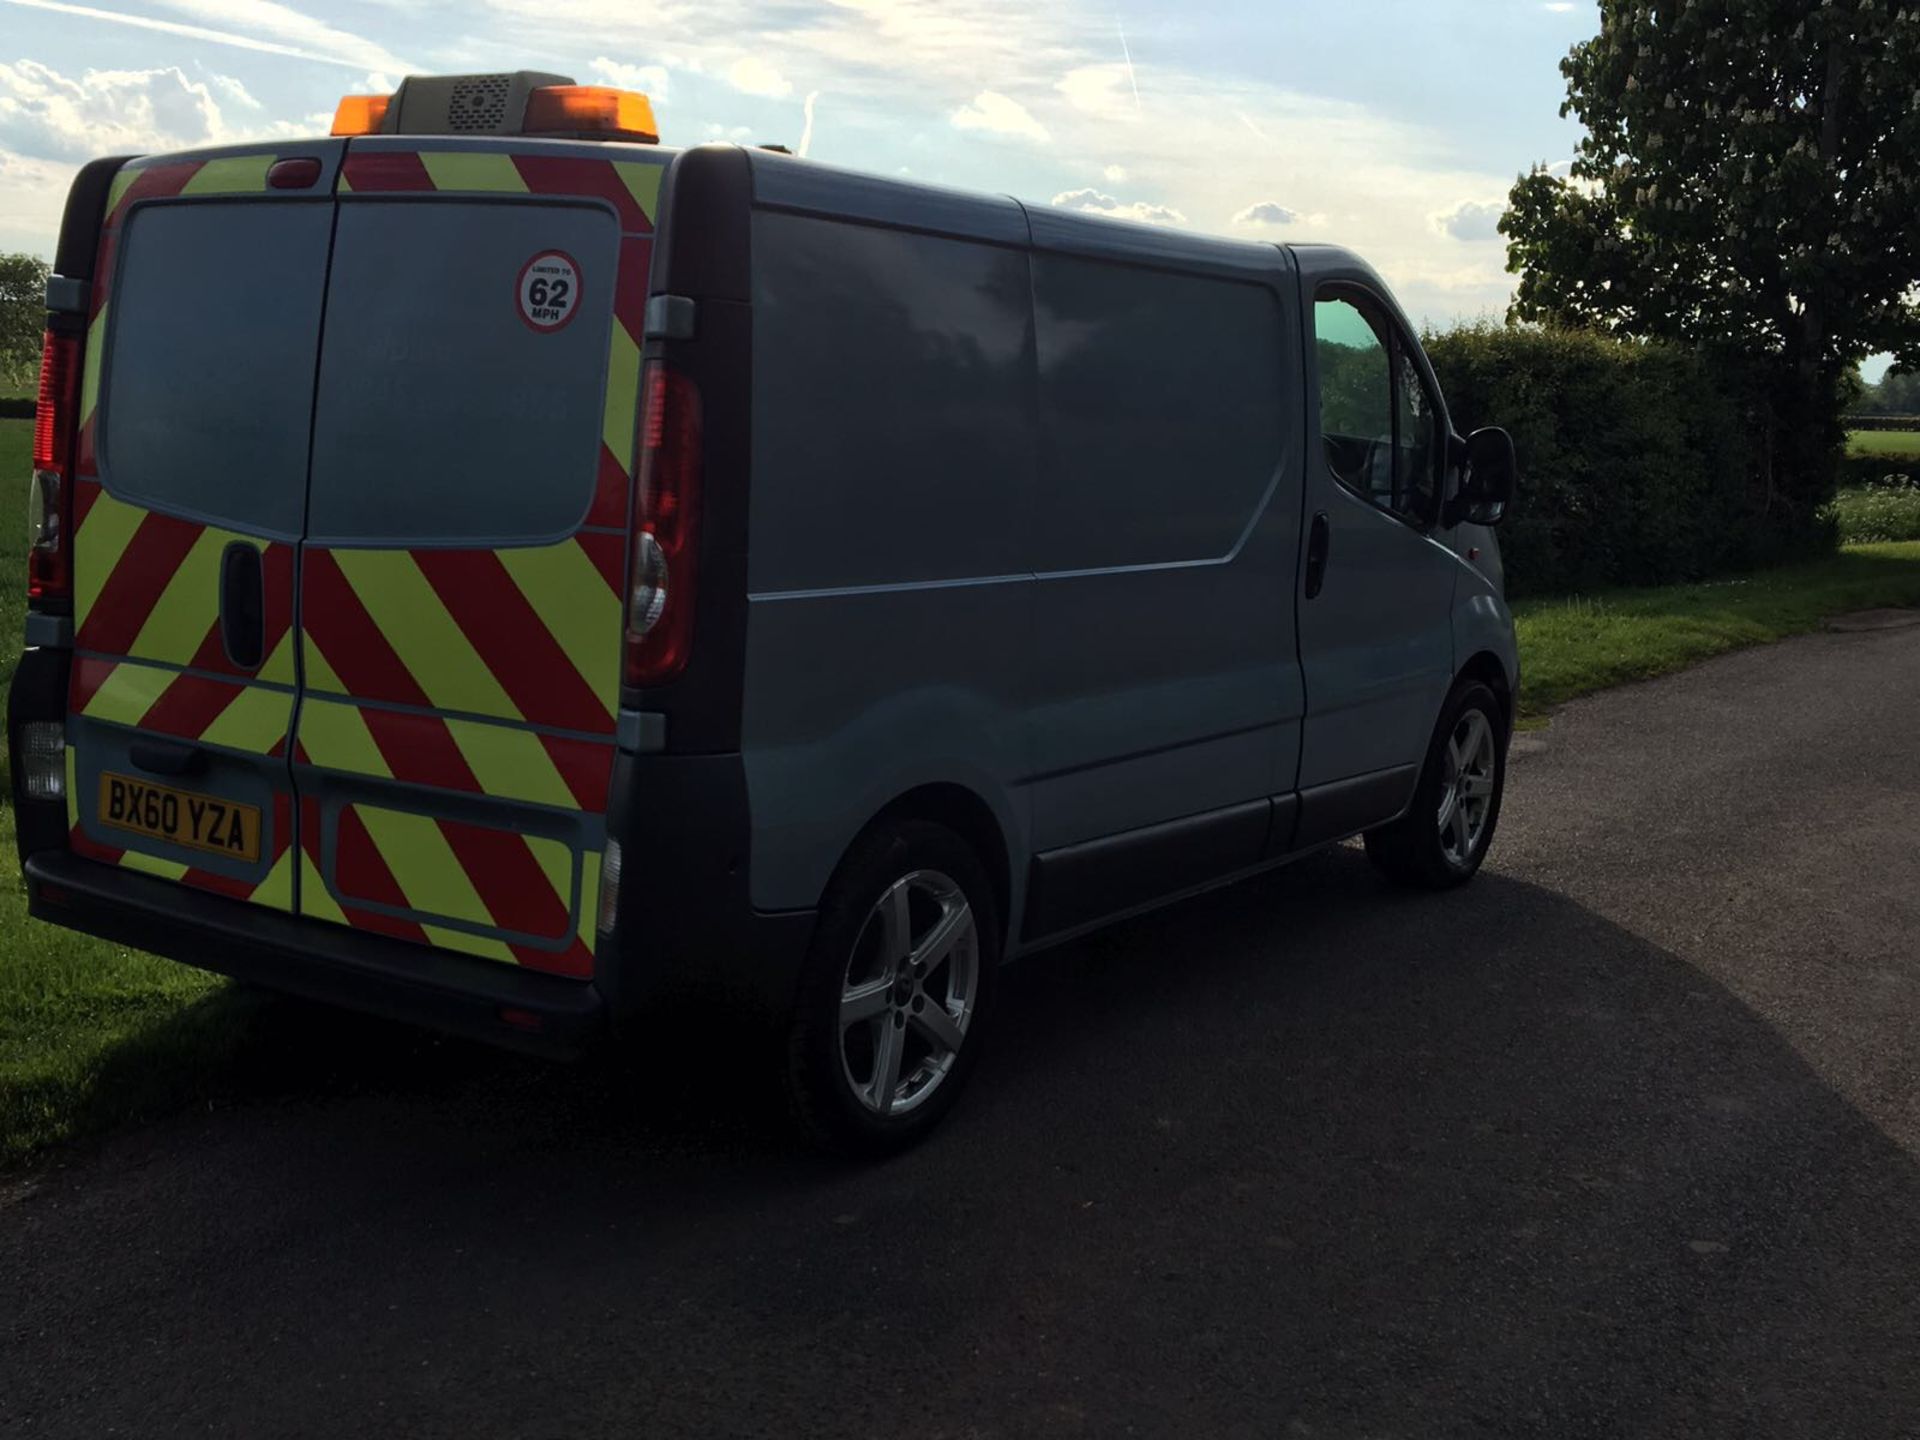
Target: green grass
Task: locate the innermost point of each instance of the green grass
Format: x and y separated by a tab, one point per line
93	1036
1573	646
1901	443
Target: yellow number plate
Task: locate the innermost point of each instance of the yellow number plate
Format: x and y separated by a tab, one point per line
180	817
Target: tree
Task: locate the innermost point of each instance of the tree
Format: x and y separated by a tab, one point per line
23	312
1747	184
1898	393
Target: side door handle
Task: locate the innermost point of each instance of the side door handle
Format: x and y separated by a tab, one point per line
1319	541
243	604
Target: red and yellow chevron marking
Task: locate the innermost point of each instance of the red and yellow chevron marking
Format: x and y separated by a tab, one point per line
147	586
529	635
520	887
224	713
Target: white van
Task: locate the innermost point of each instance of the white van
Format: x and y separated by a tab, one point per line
496	571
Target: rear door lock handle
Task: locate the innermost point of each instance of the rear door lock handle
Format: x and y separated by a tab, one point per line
156	757
243	604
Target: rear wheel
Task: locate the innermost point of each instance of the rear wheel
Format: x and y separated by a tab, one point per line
898	984
1442	839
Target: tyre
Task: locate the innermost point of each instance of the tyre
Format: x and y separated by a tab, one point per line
1443	837
897	988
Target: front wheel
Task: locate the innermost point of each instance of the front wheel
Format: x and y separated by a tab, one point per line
1442	839
898	985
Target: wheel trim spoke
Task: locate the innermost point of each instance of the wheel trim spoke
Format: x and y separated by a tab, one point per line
954	926
889	1044
1462	831
864	1001
940	1026
896	924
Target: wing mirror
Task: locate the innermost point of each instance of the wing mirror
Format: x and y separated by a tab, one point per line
1486	486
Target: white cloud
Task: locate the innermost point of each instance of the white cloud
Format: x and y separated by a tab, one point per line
1104	91
1560	7
1471	220
999	115
1096	202
1267	212
45	115
274	21
50	123
755	76
35	191
649	79
1114	174
260	25
233	90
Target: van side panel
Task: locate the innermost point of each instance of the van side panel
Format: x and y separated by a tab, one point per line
893	462
1167	528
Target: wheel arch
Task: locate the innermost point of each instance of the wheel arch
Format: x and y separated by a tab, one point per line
969	816
1488	668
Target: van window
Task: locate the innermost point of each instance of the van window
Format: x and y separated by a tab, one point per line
213	320
1420	444
443	414
1356	397
1163	401
892	406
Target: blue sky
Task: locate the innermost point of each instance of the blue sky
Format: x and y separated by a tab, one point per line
1394	126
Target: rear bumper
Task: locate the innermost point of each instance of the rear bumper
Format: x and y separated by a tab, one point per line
554	1017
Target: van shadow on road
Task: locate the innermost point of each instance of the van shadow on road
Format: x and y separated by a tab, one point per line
1307	1152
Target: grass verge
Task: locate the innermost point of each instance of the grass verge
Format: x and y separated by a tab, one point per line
1573	646
93	1036
1873	514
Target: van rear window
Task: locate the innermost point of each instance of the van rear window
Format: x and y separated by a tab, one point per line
446	411
212	327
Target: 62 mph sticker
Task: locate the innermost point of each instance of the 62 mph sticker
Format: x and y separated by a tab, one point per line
549	291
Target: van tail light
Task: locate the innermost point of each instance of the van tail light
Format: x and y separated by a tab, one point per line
663	554
50	501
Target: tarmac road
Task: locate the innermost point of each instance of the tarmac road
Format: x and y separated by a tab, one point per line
1620	1140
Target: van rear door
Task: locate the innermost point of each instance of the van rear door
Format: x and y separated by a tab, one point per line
460	590
189	501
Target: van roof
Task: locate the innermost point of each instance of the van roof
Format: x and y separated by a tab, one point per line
789	182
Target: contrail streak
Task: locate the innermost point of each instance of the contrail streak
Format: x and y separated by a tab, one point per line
1129	54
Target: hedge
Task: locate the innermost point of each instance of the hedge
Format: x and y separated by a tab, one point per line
1640	464
1883	422
16	408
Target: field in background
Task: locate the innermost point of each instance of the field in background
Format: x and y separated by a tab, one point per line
1901	443
93	1036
